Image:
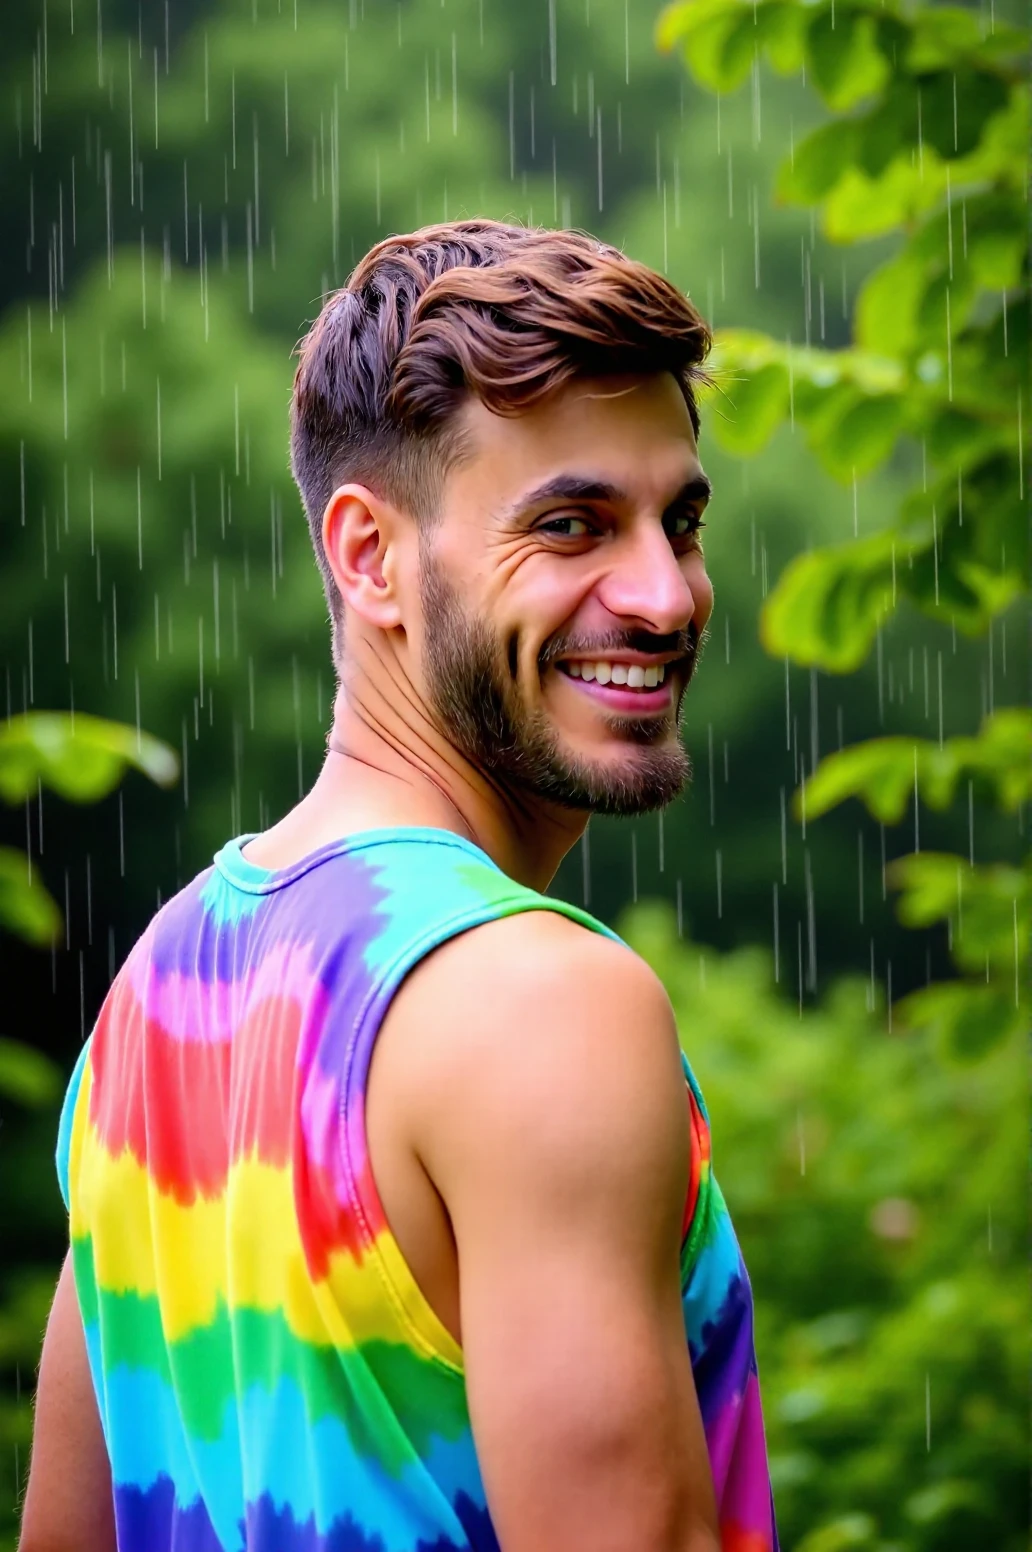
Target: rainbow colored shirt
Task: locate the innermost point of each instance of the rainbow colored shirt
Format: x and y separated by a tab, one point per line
268	1374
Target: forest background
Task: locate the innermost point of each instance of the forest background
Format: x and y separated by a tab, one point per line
182	183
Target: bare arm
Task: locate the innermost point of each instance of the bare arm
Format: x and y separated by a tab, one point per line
68	1502
558	1140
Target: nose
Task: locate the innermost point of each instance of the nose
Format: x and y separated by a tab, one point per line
659	590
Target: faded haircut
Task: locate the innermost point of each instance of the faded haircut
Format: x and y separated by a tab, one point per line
506	314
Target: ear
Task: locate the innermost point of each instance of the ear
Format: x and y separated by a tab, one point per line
361	535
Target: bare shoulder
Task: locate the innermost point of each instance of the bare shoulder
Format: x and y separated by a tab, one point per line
535	1034
528	975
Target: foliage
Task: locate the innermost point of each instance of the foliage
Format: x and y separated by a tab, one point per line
876	1182
81	758
941	328
927	139
26	905
884	772
27	1075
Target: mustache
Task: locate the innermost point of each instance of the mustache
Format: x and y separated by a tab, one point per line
687	646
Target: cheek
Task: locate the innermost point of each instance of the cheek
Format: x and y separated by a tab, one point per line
701	587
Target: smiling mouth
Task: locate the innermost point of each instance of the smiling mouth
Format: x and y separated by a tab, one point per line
622	697
606	673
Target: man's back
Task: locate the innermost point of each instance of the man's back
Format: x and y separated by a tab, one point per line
276	1351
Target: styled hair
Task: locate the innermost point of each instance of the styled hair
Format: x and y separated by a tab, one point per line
505	314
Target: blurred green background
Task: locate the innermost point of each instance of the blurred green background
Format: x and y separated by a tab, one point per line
183	183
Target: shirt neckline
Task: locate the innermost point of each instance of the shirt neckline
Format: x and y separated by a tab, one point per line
254	879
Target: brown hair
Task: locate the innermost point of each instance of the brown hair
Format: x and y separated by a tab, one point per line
505	313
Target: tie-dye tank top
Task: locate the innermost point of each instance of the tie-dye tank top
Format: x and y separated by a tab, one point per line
269	1376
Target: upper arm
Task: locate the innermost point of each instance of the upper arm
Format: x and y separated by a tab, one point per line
68	1501
564	1167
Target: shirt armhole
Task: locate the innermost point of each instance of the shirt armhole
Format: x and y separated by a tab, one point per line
64	1128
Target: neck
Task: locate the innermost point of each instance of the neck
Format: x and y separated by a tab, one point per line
379	772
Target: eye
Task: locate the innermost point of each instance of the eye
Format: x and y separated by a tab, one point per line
694	523
570	517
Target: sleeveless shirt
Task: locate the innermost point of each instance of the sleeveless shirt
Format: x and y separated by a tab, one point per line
268	1374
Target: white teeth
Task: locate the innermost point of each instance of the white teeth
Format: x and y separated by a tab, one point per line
633	675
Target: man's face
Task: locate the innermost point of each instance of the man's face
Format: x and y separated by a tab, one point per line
569	536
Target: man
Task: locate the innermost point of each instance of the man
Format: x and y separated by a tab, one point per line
389	1188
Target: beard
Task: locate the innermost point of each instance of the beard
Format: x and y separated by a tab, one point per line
475	698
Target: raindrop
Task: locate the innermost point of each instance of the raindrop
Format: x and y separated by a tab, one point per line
811	926
860	871
777	935
784	839
884	884
712	786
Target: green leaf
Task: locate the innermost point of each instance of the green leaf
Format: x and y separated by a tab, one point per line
758	403
861	438
958	591
26	907
27	1075
946	304
844	60
957	441
717	37
891	127
827	605
845	1533
676	21
82	758
721	51
944	36
880	771
997	241
817	163
782	28
859	207
848	401
883	772
956	105
821	402
1001	753
988	907
966	1019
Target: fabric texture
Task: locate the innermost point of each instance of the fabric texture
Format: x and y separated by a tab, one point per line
269	1376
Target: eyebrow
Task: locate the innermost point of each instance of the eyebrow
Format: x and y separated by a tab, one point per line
581	488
